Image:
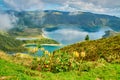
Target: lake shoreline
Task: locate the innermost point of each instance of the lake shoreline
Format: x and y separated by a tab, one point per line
43	44
52	44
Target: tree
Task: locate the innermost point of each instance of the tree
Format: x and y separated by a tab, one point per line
87	37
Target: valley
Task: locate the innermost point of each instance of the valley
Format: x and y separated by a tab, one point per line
52	44
62	26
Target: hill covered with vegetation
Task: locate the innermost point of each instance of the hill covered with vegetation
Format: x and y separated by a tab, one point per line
107	48
9	44
12	71
26	32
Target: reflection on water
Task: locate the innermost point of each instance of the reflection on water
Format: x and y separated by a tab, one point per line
71	35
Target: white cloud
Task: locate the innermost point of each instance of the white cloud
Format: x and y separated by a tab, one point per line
24	4
66	8
104	3
7	21
111	7
75	13
102	6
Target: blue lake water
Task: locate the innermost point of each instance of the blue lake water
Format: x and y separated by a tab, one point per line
46	47
49	48
73	34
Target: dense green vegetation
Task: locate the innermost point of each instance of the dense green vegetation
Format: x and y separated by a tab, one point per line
11	71
95	70
9	44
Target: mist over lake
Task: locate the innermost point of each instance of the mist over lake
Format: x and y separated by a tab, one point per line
72	34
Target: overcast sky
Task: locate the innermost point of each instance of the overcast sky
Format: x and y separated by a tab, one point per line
111	7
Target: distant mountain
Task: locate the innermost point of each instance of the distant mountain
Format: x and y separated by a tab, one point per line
85	20
110	33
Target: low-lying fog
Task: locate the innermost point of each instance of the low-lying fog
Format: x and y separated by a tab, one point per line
68	35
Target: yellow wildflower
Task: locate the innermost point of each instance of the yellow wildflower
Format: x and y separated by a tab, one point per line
75	54
46	66
47	53
38	59
42	49
58	59
83	54
34	50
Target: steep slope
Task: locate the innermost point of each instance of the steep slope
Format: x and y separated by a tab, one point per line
9	44
12	71
107	48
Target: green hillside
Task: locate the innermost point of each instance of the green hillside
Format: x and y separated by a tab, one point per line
12	71
89	60
26	32
9	44
107	48
98	70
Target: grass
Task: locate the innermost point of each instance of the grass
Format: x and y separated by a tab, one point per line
108	72
97	70
11	71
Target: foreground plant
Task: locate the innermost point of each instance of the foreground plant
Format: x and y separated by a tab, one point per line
58	62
